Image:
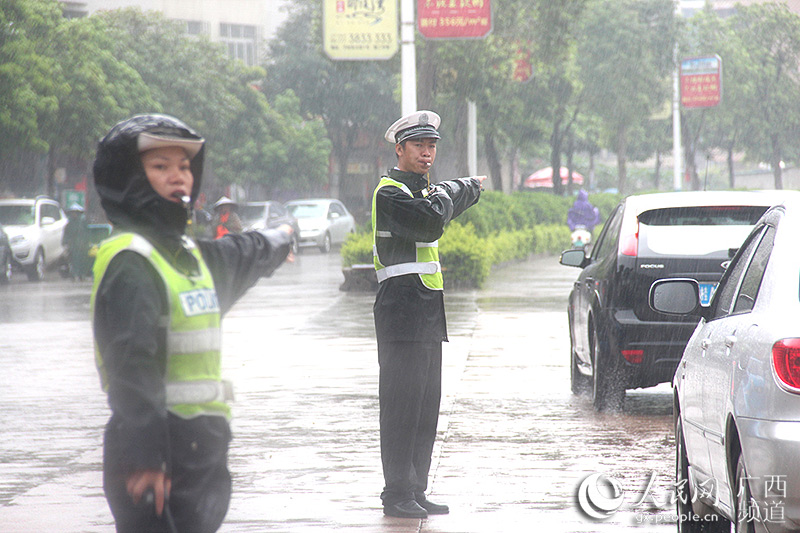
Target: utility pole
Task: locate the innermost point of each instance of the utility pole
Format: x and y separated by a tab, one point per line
408	58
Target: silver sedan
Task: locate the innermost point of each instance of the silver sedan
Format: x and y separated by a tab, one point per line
737	387
323	222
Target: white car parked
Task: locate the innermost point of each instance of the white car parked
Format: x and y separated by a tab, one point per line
737	387
323	222
35	229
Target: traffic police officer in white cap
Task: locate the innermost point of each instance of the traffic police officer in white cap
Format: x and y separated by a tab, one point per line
408	218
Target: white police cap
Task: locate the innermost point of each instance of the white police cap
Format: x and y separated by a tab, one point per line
420	124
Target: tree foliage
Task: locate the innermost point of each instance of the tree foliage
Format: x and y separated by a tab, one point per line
354	99
30	86
626	65
770	40
248	139
602	70
63	83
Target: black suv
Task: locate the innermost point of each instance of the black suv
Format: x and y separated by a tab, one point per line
617	341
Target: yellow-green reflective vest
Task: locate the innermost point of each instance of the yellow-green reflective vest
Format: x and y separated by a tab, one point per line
426	265
193	380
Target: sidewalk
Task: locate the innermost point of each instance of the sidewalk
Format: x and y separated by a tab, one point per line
513	443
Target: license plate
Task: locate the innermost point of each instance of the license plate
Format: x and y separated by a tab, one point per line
706	293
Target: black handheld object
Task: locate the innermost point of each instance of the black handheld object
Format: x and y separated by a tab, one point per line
149	498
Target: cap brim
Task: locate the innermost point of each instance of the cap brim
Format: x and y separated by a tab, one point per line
148	141
427	132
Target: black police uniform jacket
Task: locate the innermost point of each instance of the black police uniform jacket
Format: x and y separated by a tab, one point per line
130	300
406	310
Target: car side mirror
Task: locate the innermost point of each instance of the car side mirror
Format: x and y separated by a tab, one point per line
46	221
333	215
677	296
574	258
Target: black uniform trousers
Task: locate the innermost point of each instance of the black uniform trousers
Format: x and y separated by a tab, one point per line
201	483
410	390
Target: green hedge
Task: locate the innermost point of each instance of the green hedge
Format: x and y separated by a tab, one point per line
500	228
357	249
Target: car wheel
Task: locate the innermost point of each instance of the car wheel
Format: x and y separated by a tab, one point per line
5	270
688	521
607	392
745	521
325	247
579	383
36	270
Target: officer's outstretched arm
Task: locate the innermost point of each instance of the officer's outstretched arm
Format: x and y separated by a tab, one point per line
464	192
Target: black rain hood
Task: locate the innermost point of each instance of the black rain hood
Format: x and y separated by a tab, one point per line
126	195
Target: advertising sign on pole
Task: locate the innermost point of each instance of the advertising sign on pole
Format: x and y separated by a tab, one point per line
454	19
701	81
360	30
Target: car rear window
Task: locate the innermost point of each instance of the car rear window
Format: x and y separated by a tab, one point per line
251	212
307	210
710	231
726	215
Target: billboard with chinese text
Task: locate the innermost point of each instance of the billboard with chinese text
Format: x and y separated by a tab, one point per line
360	29
454	19
701	81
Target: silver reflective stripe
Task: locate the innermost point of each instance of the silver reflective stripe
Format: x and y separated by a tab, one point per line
433	244
194	341
402	269
205	391
141	245
380	233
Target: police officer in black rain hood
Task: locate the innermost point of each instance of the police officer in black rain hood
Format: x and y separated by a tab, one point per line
157	302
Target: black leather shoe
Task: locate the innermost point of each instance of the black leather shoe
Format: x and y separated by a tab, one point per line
429	506
405	509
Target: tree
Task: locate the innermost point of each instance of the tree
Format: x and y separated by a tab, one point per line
98	90
458	72
196	82
30	84
560	25
770	39
512	116
354	99
723	125
625	62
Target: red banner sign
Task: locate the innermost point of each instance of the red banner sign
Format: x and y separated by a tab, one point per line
454	19
701	81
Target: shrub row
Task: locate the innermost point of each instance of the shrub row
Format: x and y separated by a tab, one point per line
498	229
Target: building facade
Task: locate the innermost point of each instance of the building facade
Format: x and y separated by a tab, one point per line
243	25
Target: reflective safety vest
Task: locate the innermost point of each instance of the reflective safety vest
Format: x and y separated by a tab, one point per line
193	379
426	264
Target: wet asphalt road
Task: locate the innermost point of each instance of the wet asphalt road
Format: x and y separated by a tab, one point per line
513	448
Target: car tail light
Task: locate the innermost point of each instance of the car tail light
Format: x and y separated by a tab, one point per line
633	356
629	237
786	360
